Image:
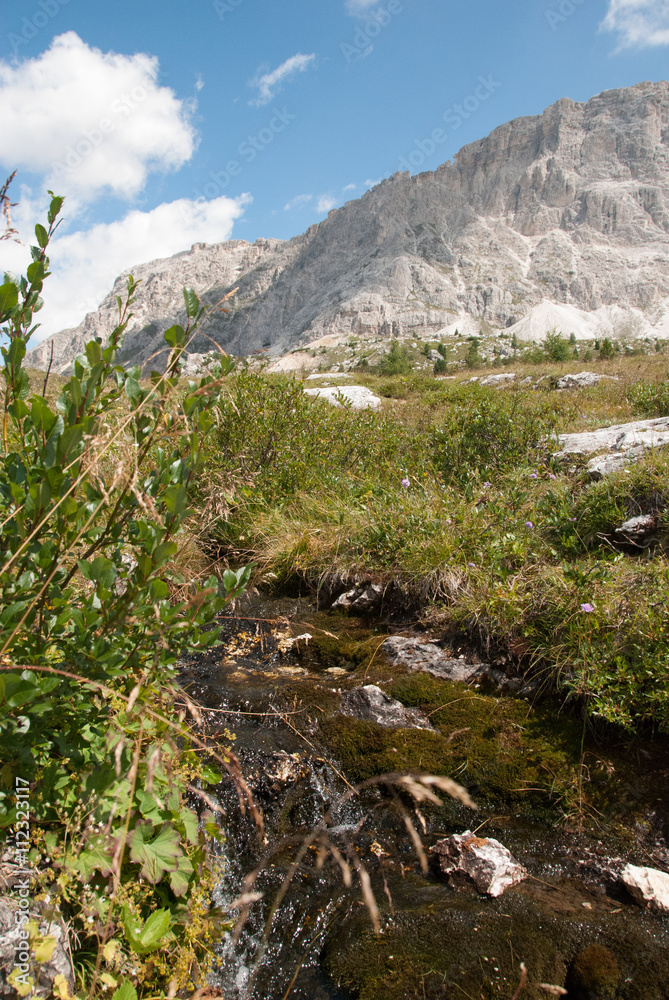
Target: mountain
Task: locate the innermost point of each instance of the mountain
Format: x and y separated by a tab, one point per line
556	219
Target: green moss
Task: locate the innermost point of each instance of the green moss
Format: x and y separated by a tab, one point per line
594	975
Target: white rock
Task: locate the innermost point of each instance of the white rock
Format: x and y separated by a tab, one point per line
502	379
623	442
637	527
648	886
373	704
359	396
490	866
582	380
329	375
360	598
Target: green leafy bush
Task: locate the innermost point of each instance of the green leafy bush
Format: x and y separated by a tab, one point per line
607	350
648	400
556	348
94	494
397	361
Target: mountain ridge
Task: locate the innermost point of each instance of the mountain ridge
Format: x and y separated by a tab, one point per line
569	208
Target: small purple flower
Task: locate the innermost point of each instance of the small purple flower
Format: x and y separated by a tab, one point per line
572	518
486	485
406	483
533	475
448	521
473	565
529	524
587	608
551	476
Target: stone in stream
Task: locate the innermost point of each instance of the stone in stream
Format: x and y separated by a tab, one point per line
648	886
489	865
427	657
374	705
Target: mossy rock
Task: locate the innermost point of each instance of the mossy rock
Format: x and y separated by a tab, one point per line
594	975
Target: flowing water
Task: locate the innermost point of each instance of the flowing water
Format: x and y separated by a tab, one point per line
436	941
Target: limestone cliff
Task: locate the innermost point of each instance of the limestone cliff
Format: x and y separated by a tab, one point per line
562	214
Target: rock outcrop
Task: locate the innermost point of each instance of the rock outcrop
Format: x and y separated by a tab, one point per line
483	860
619	443
556	220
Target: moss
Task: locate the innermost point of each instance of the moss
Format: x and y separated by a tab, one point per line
594	975
332	651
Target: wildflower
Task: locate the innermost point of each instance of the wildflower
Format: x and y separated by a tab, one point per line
473	565
587	608
486	485
533	475
406	483
552	475
529	524
448	521
572	518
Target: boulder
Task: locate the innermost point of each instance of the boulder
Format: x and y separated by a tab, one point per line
435	356
359	396
622	443
503	379
489	865
374	705
648	886
581	380
636	529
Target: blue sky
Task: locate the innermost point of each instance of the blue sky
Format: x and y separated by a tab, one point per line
171	123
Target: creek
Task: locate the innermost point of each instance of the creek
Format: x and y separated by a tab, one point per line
572	812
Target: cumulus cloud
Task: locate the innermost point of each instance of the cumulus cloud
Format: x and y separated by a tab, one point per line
91	122
269	84
639	23
298	202
84	264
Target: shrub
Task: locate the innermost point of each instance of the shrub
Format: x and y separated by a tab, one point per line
93	499
607	350
397	361
556	347
440	366
649	400
472	358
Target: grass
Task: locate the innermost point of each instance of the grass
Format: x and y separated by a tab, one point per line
504	543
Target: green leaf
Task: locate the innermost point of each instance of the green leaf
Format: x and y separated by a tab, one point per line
146	939
175	336
192	303
175	499
180	878
156	856
54	207
9	298
125	992
42	235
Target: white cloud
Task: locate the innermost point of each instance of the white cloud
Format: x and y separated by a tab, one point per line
350	187
199	83
268	84
84	264
91	122
326	203
639	23
298	202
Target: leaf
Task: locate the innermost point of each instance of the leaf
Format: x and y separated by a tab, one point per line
22	984
111	950
180	878
145	939
54	207
175	336
61	988
125	992
9	298
107	979
156	856
190	822
42	235
45	950
192	303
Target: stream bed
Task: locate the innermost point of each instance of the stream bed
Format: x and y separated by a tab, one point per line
573	810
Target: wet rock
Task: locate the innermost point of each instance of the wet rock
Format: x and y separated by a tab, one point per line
359	396
594	975
637	528
285	768
489	865
58	964
429	658
648	886
581	380
371	703
361	598
623	442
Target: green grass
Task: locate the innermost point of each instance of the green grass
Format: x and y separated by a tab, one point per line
492	535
